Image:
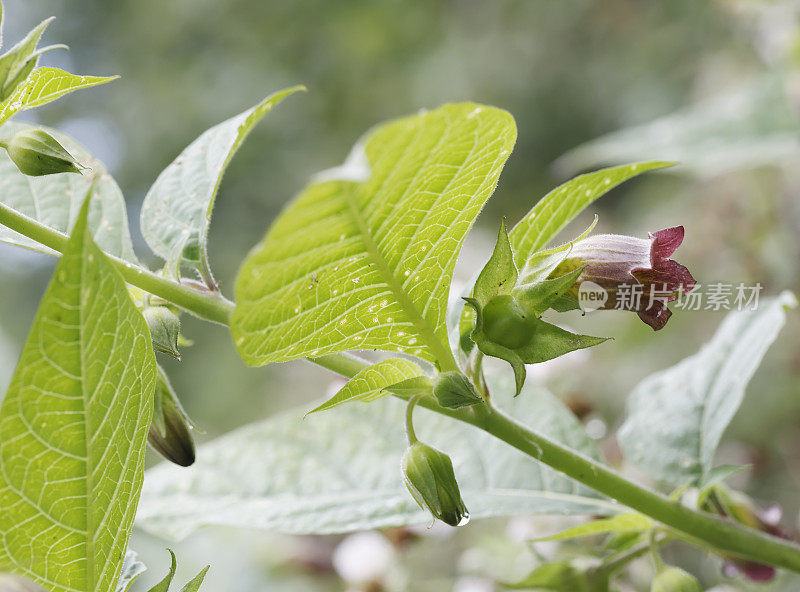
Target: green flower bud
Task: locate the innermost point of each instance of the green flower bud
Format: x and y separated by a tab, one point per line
428	474
673	579
506	323
36	153
454	390
165	328
10	583
169	431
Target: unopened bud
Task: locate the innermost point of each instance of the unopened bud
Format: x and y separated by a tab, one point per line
37	153
428	474
165	328
454	390
10	583
673	579
169	431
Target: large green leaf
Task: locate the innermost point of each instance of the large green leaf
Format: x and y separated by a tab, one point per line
750	126
43	86
556	209
676	417
177	210
357	265
55	200
340	471
73	427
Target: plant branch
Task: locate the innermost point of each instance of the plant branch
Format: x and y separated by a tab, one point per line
209	306
724	535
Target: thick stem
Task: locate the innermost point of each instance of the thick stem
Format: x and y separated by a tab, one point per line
726	536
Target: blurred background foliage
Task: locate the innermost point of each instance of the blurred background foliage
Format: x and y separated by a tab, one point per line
714	84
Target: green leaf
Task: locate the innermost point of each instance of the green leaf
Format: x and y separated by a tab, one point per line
716	476
676	417
18	62
556	209
339	472
554	577
196	582
55	200
132	568
621	523
43	86
370	384
73	427
163	585
499	275
177	210
751	125
367	265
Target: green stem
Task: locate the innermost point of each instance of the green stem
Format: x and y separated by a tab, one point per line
209	306
724	535
412	435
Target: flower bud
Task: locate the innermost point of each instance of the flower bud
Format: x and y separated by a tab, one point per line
165	327
169	431
505	322
428	474
636	274
673	579
11	583
454	390
36	153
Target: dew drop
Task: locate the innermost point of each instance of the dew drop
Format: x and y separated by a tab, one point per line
464	520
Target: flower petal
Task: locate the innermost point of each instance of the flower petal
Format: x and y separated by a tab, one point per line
665	243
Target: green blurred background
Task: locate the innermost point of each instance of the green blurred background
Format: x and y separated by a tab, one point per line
718	78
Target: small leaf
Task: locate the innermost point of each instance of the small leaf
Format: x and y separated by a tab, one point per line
499	276
370	384
43	86
197	581
716	476
18	62
73	427
676	417
367	265
338	472
556	209
177	210
55	200
132	568
621	523
163	585
554	577
418	385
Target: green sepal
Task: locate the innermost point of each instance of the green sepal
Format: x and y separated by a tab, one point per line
453	390
550	341
499	275
537	298
165	328
541	264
